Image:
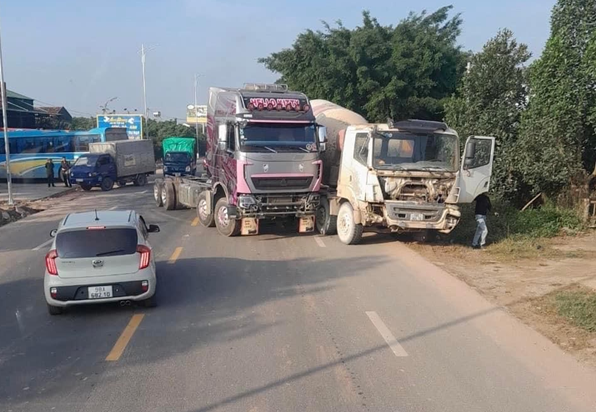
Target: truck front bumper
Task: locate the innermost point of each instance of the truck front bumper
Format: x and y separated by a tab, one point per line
411	216
263	206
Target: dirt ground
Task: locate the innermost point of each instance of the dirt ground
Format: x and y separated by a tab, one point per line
526	286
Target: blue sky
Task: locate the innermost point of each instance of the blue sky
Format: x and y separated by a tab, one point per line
81	53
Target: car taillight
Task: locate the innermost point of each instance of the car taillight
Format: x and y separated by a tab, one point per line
145	285
145	253
51	262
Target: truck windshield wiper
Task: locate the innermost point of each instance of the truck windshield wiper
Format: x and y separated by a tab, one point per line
110	252
270	149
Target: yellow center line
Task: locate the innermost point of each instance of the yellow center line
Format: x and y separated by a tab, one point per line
175	255
123	340
195	221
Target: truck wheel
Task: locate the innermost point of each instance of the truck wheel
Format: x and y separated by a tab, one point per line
205	216
141	180
326	223
157	193
226	226
107	184
169	196
348	231
86	188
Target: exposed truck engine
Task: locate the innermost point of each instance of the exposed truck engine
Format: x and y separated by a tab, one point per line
397	176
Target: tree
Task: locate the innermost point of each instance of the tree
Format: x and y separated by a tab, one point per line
490	102
83	123
558	137
379	71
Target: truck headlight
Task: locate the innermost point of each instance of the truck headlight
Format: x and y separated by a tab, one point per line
245	201
187	168
165	168
93	174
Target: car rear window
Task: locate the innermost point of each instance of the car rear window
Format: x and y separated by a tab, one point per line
96	242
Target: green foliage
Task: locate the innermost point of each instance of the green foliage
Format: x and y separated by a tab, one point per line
579	307
558	137
400	71
490	101
83	123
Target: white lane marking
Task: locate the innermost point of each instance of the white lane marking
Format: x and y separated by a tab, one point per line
320	242
113	208
397	349
143	192
44	244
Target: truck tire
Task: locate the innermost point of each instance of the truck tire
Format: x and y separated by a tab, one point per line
141	180
107	184
169	196
225	226
205	216
86	188
348	231
157	193
326	223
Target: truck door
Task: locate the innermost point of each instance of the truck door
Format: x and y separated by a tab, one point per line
356	173
475	171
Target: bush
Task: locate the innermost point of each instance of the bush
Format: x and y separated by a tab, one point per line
546	221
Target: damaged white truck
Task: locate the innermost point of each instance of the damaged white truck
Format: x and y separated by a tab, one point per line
396	177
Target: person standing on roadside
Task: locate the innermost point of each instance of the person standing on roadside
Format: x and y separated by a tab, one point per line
483	206
65	172
50	172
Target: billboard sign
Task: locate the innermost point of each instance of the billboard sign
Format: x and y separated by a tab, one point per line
196	114
133	123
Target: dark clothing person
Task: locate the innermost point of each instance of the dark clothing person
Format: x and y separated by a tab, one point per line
65	172
483	206
50	172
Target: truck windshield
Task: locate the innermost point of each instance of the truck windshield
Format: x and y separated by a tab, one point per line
177	157
256	137
407	151
86	161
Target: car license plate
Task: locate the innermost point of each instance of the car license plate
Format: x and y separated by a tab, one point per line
100	292
79	180
417	216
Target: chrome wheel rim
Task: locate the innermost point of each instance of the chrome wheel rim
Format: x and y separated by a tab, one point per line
163	196
344	224
222	216
203	209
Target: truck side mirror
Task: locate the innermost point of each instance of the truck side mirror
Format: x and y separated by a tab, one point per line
222	136
322	134
470	154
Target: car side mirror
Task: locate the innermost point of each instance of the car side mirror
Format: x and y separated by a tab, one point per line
53	233
153	229
222	137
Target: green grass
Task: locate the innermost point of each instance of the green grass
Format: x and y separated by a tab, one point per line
578	306
523	228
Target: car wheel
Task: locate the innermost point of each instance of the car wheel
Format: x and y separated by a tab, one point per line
86	188
205	216
107	184
348	231
225	225
141	180
169	196
325	222
55	310
150	302
157	193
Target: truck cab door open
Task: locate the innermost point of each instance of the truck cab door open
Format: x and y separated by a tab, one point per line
475	171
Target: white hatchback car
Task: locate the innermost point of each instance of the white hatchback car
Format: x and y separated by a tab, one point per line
100	256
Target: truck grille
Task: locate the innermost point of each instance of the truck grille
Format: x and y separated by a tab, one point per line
282	183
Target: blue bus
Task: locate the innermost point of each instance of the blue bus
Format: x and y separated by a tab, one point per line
29	149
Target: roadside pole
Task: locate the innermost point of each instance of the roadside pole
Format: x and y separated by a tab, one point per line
144	89
5	127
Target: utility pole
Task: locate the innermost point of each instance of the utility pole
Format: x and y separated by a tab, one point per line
144	89
5	127
196	110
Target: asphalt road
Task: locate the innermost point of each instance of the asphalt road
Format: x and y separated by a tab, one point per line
277	322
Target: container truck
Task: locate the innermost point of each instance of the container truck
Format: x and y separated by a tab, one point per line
179	156
396	176
121	161
262	162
